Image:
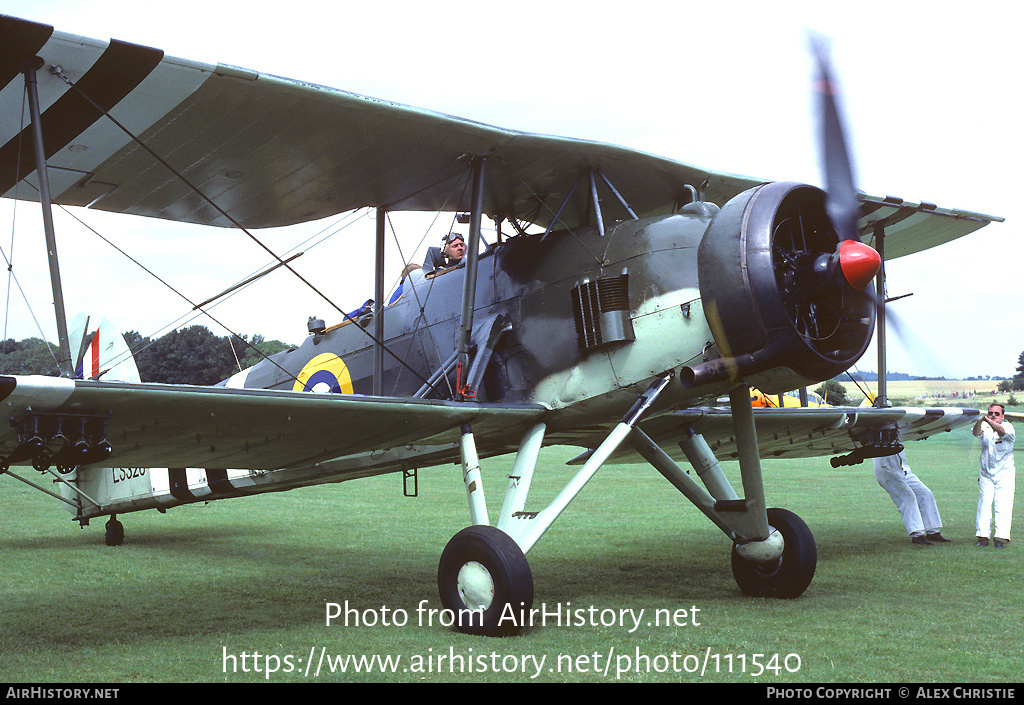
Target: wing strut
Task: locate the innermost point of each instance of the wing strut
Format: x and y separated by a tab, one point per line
596	199
556	220
882	396
53	494
469	289
29	68
378	318
615	192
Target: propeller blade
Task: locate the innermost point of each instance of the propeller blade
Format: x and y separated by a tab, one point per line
843	205
924	353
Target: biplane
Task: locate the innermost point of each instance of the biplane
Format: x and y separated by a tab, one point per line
623	295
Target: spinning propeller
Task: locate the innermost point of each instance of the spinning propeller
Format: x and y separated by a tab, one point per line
853	261
823	282
842	201
857	262
801	306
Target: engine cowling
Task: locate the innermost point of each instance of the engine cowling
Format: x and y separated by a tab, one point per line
775	282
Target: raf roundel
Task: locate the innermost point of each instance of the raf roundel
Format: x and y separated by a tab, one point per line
325	373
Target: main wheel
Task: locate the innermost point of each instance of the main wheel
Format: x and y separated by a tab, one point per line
790	574
485	581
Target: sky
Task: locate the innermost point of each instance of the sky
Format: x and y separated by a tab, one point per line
930	95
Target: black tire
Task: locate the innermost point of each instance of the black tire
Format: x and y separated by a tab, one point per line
788	576
114	532
496	582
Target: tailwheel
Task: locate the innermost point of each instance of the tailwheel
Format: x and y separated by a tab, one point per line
485	581
114	532
788	575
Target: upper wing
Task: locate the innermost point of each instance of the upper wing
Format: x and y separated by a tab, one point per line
804	432
914	227
272	151
155	425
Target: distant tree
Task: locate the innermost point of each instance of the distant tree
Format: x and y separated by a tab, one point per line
251	351
834	393
192	355
32	356
135	340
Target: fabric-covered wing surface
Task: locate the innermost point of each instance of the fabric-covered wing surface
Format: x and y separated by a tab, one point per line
271	151
152	425
803	432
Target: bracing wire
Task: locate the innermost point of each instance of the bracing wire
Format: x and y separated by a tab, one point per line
60	74
11	276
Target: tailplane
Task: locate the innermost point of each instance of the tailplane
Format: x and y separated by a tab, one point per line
101	354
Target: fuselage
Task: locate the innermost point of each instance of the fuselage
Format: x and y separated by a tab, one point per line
525	290
582	322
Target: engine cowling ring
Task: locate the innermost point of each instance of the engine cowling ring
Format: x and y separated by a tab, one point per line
775	325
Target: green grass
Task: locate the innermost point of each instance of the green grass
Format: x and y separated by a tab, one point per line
254	575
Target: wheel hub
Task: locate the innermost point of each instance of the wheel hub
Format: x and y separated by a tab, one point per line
476	586
763	551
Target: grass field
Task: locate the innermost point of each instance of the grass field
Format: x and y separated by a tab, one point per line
941	392
195	594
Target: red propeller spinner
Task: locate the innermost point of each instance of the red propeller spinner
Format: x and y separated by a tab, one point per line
859	263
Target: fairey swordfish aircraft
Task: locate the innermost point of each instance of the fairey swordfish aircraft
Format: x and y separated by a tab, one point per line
629	294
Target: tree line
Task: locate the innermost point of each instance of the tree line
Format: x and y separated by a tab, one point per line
1017	383
192	355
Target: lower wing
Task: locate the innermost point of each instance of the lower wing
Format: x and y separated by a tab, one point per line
156	425
852	433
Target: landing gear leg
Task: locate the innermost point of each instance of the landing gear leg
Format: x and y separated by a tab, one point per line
774	554
483	577
758	567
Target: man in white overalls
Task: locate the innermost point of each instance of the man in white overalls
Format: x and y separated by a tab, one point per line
996	477
913	499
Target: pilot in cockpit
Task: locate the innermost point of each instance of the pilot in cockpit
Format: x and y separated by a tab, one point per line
451	252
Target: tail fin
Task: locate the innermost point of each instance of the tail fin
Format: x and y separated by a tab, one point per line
102	353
